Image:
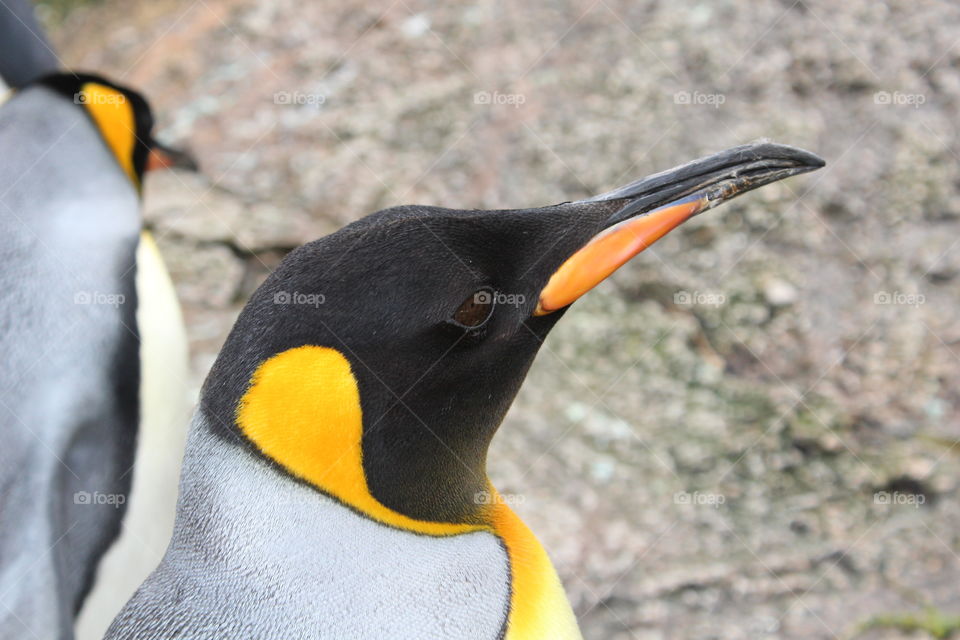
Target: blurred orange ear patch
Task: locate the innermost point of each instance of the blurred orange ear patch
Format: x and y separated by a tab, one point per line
113	114
302	410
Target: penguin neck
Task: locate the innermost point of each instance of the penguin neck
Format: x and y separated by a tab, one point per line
302	412
429	471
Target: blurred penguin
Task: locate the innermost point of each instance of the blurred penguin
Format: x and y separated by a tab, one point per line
92	337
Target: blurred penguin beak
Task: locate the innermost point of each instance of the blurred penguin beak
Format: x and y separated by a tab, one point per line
657	204
164	157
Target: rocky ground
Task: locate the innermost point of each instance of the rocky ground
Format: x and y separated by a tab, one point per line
751	430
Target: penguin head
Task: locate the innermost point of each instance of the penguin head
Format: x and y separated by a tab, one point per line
124	120
377	363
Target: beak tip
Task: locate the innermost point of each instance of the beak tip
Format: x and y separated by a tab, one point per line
804	159
810	160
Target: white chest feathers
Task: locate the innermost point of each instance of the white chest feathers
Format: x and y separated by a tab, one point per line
256	555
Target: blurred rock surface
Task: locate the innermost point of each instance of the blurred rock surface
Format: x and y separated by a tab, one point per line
703	440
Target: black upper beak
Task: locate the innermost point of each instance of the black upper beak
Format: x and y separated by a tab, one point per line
720	177
655	205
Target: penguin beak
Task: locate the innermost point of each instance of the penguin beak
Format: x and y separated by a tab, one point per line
164	157
657	204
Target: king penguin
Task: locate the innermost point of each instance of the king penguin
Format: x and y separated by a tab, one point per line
334	483
75	150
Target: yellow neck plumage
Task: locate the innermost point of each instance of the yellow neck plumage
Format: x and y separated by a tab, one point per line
112	112
302	410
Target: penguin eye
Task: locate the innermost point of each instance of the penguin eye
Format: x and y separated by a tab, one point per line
475	310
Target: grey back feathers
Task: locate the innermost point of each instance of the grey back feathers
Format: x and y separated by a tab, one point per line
256	554
69	226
